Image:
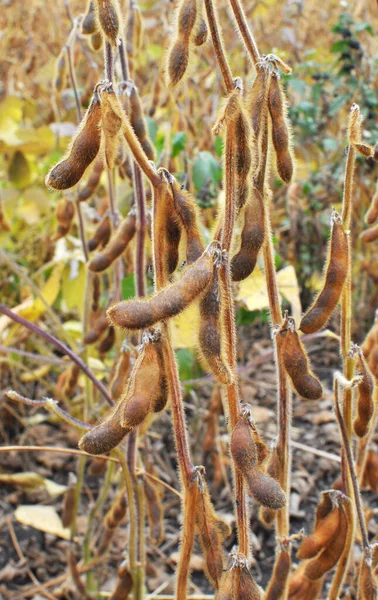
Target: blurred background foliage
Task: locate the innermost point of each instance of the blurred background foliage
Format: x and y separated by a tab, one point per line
333	53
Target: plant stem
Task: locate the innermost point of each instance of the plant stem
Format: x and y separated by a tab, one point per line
218	45
62	347
73	80
109	62
245	31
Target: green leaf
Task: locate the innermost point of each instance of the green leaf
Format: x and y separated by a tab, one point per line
188	364
152	129
337	103
178	143
128	287
364	27
218	146
340	46
206	169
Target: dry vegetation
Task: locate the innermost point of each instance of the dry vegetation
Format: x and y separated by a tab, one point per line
173	424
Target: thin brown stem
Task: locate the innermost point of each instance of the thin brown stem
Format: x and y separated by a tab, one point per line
218	45
109	61
62	347
72	74
245	31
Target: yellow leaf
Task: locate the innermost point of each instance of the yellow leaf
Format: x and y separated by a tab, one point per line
73	286
36	374
49	292
253	292
43	518
19	172
31	480
185	328
289	289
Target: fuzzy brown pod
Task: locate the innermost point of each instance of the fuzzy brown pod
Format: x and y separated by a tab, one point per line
300	587
107	343
108	16
107	435
116	246
325	528
279	580
112	119
155	510
96	41
369	235
252	238
166	227
248	588
68	507
178	55
101	234
211	532
297	365
210	331
133	107
93	181
370	476
122	370
201	34
280	130
83	150
99	326
367	581
372	212
335	276
124	583
264	489
244	158
147	388
114	516
96	293
355	132
65	213
317	567
60	75
365	402
89	24
140	314
187	212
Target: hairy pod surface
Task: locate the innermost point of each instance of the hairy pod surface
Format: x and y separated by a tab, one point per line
210	535
279	579
280	130
201	34
369	235
244	158
138	121
248	588
89	24
121	372
336	273
82	152
60	75
107	342
139	314
300	587
93	181
365	402
178	56
297	366
124	583
96	293
210	332
188	215
69	501
99	326
96	41
242	446
325	530
109	18
147	387
328	557
265	490
166	228
65	213
116	246
367	582
111	115
107	435
101	234
252	238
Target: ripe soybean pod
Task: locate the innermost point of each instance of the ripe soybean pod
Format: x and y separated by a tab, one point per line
188	215
122	370
280	129
98	328
367	581
279	579
201	34
297	364
82	151
210	331
178	56
111	115
211	532
252	237
166	227
369	235
324	531
113	518
101	234
89	24
124	583
328	557
355	132
169	302
65	213
133	107
372	213
365	402
96	40
245	589
108	16
93	181
146	384
116	246
60	72
107	435
335	276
